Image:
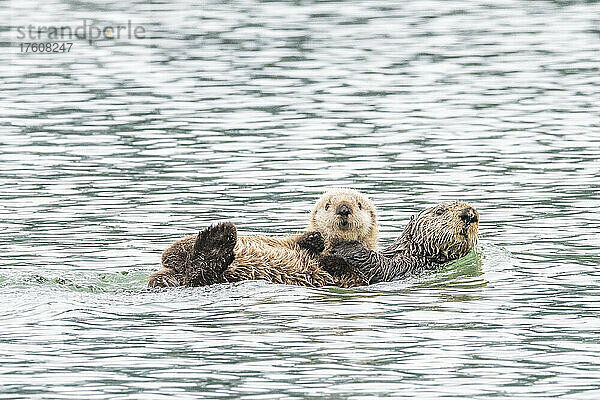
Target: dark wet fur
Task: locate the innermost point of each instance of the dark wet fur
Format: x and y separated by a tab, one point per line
433	237
212	254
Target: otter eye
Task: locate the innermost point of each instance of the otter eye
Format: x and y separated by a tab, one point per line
440	211
327	206
360	205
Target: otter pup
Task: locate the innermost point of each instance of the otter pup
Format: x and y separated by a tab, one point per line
434	236
217	255
343	215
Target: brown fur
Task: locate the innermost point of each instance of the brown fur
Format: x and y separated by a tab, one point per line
281	259
281	265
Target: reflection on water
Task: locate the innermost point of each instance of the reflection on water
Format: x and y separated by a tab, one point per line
246	112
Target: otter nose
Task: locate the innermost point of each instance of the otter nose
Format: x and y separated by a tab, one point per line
469	215
344	210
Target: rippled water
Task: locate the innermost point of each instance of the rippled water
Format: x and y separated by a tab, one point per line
246	111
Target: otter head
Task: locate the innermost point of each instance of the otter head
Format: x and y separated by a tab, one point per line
442	233
343	215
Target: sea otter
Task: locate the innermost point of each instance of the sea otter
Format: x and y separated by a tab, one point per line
433	237
340	215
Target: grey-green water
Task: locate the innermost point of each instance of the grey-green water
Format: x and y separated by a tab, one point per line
245	111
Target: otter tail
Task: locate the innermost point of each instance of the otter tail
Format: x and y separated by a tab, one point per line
211	255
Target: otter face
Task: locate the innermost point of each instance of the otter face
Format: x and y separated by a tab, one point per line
343	215
443	233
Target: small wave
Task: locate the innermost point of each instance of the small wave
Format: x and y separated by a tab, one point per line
91	282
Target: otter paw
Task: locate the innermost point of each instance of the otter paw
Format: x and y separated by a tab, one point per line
312	241
346	249
212	254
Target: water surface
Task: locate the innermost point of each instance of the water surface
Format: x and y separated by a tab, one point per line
246	111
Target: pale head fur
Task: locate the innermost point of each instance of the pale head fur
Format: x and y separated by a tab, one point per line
441	233
343	215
